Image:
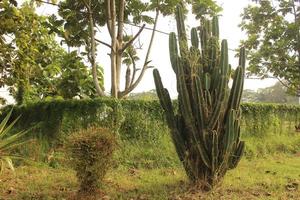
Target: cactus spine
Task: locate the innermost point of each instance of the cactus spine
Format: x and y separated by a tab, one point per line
206	128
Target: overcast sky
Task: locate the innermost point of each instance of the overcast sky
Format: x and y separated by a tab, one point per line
229	20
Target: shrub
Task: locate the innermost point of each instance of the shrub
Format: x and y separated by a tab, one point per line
91	151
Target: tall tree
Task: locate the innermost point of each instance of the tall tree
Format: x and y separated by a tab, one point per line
273	40
82	20
26	49
32	63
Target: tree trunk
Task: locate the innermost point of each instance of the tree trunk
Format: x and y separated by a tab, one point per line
115	25
92	52
111	25
113	60
119	45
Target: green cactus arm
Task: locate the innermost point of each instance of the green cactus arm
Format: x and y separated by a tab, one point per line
242	63
208	100
181	30
221	88
215	80
184	97
224	58
215	116
229	133
237	130
173	50
238	82
194	38
236	89
161	93
215	27
199	108
237	155
204	37
164	99
213	53
198	96
166	103
242	58
207	81
214	151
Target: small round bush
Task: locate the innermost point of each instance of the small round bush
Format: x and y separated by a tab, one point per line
91	151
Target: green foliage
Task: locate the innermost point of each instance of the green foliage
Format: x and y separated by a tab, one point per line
273	40
205	8
9	142
74	25
32	63
91	151
206	128
75	80
28	54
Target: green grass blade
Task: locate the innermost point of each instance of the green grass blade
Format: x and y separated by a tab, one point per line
4	131
4	121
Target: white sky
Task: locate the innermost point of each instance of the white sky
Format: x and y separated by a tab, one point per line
160	54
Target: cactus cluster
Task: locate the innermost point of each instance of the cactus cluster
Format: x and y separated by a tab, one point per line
206	127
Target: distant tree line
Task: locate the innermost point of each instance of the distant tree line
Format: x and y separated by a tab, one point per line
274	94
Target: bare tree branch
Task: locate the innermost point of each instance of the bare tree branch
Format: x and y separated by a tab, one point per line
92	51
132	39
109	18
104	43
146	62
47	2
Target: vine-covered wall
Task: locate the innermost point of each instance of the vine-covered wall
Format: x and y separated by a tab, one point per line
262	119
135	119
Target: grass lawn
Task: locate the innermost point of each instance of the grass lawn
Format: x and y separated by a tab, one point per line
276	177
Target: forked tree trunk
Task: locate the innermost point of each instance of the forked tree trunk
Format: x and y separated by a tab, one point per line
115	25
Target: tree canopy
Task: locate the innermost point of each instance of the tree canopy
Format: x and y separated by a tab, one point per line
32	64
273	41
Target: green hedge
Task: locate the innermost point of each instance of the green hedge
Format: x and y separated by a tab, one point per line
53	119
263	119
134	119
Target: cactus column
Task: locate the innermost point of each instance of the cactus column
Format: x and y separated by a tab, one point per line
206	127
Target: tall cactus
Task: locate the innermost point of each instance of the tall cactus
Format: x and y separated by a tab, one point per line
206	127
